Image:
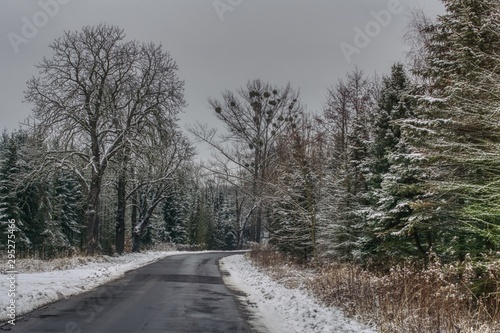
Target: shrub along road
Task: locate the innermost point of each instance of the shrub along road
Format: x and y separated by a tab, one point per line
183	293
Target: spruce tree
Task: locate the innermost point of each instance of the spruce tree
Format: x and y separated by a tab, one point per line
395	175
348	118
457	128
173	217
9	209
68	209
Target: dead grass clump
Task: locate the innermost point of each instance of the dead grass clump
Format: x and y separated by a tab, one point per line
162	247
279	266
190	247
38	265
408	299
265	255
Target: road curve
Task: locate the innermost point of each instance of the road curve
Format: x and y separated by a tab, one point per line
181	293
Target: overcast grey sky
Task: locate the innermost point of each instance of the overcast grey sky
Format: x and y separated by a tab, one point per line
217	44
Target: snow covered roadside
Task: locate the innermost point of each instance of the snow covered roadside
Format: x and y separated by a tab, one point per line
36	289
283	310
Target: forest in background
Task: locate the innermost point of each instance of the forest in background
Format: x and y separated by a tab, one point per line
397	168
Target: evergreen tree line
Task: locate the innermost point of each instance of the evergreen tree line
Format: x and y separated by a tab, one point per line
416	157
48	212
48	207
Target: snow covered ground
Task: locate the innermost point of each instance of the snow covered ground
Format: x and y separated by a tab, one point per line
283	310
35	289
274	308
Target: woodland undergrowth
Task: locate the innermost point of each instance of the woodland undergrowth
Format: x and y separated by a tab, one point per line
404	298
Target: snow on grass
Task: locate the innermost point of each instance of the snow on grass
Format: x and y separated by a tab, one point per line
42	282
283	310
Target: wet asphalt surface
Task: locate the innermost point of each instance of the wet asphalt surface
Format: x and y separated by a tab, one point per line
181	293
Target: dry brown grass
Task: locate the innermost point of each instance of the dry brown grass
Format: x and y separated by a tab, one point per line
39	265
280	267
162	247
407	299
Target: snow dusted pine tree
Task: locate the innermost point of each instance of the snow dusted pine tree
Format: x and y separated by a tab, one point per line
9	209
225	216
456	128
174	215
296	192
67	210
394	174
30	190
47	209
348	118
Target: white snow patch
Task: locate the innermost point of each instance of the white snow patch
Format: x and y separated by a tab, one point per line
34	290
431	99
283	310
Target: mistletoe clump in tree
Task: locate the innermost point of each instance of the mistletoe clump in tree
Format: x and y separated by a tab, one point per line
254	117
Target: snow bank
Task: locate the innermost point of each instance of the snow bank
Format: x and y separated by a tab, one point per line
34	290
280	309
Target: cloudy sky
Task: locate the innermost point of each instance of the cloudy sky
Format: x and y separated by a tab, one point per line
217	44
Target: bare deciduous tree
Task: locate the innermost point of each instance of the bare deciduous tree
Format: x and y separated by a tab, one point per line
165	154
96	92
253	117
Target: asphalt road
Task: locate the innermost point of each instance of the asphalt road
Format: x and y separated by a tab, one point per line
182	293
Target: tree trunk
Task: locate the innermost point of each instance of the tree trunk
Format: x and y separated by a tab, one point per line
418	244
137	234
133	218
258	224
121	202
93	245
238	222
136	242
120	212
145	218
